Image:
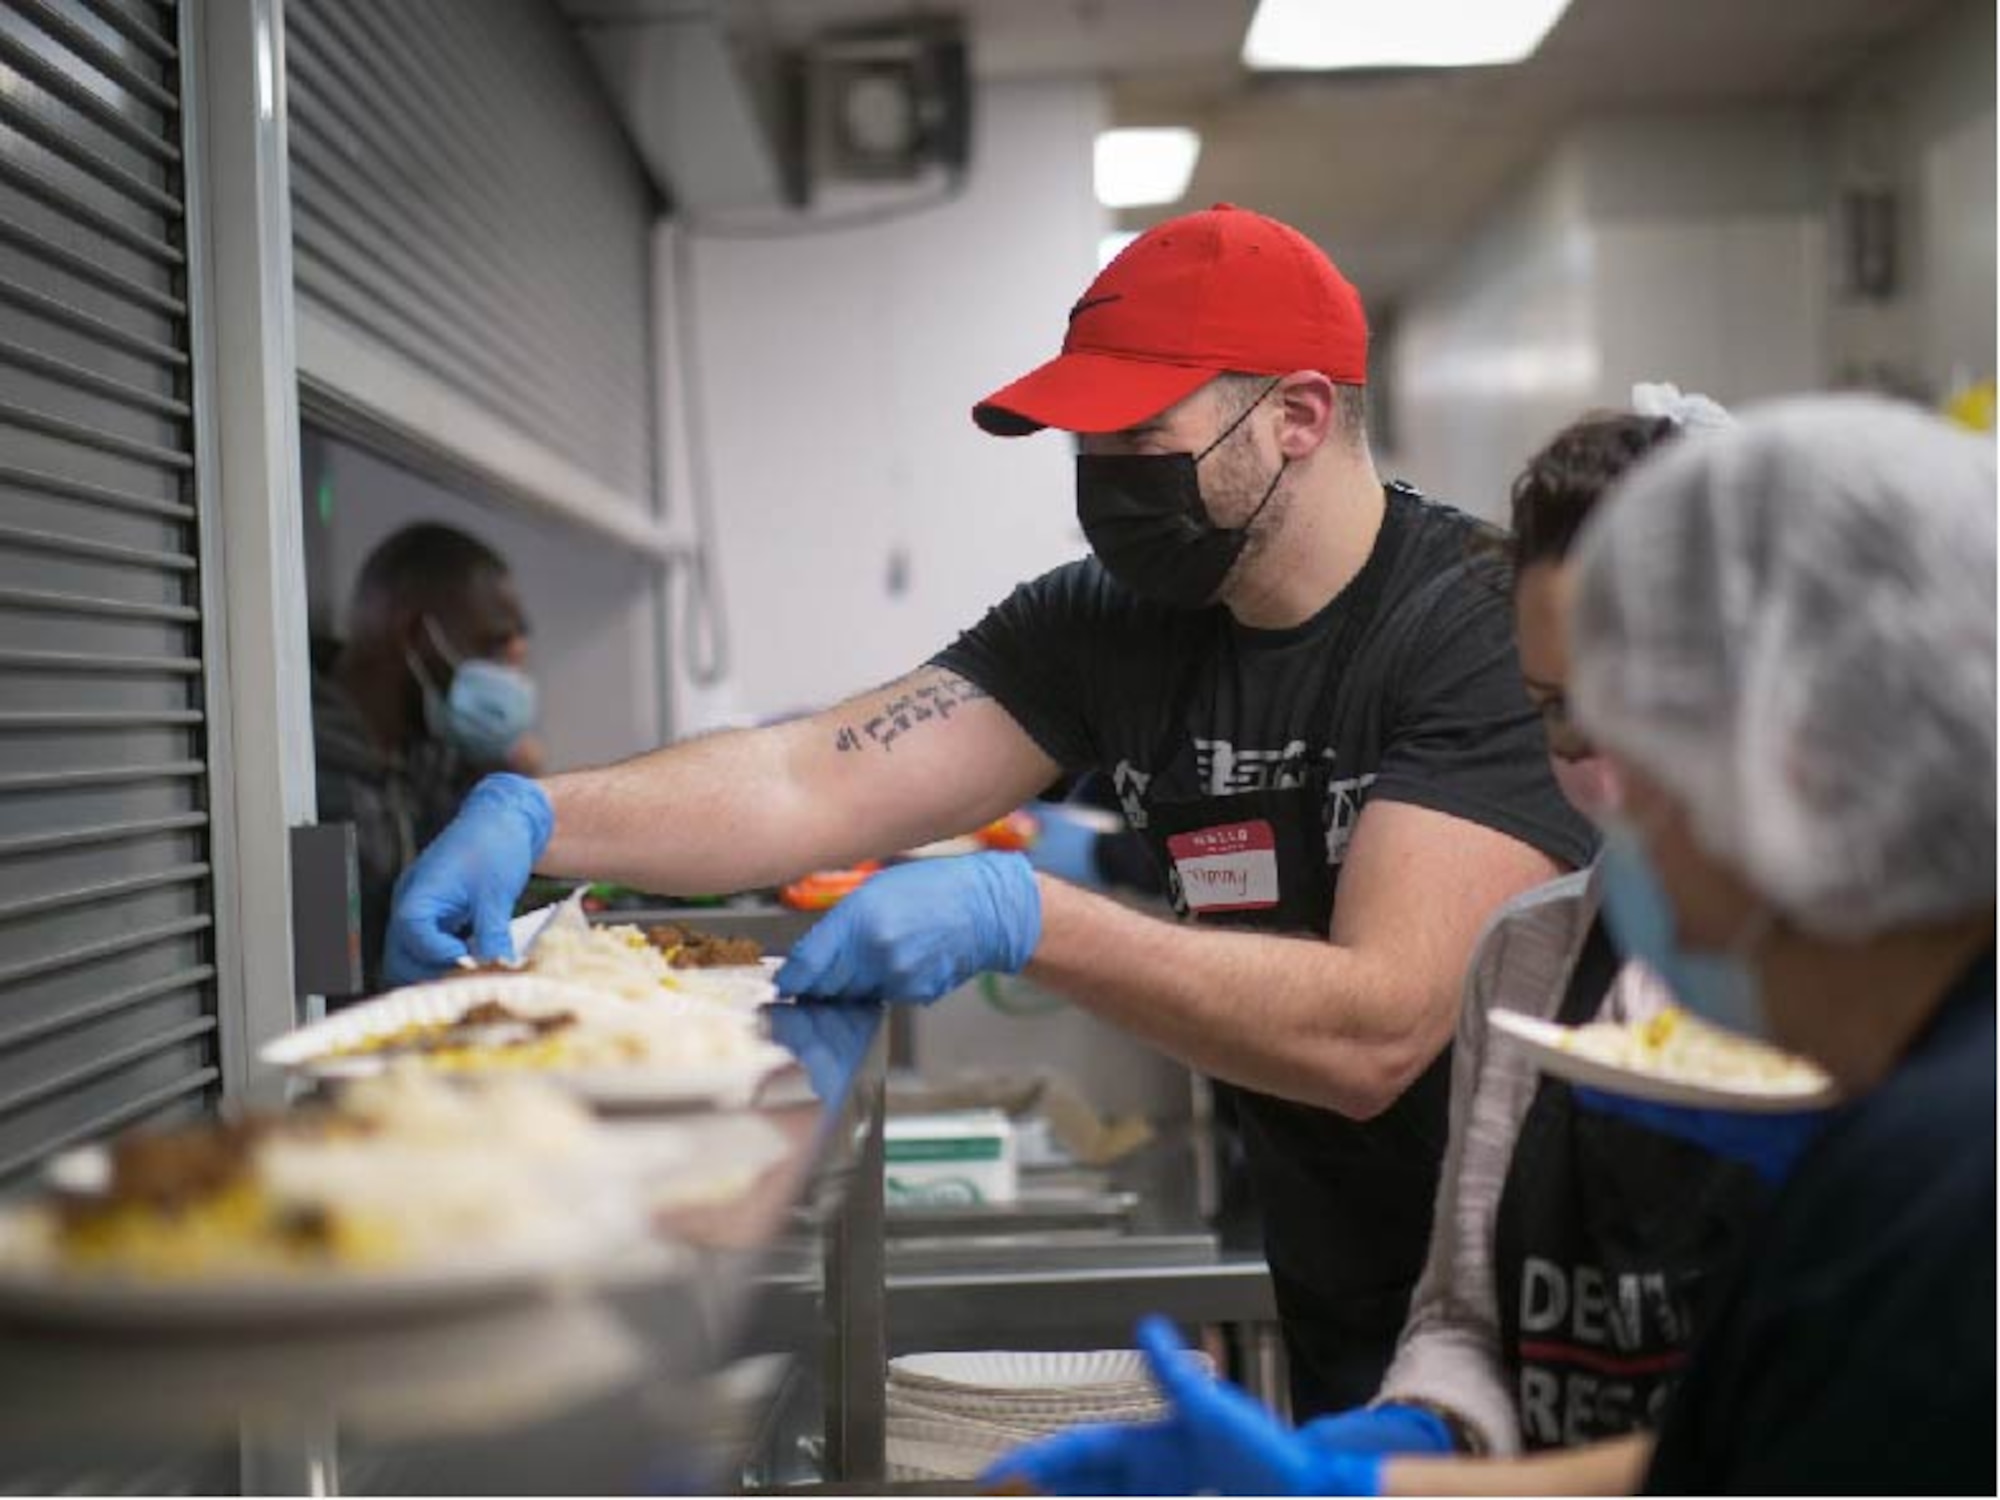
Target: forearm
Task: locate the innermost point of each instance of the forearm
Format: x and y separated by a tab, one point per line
1614	1467
710	815
1293	1016
919	759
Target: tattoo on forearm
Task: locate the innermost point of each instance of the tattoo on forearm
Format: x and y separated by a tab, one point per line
935	697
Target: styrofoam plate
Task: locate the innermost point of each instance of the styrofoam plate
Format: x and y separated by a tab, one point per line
312	1049
494	1269
945	1449
949	1457
1024	1419
740	987
1060	1372
1032	1417
1550	1045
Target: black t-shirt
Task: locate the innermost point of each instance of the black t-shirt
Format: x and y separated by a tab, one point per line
1854	1354
1435	713
1418	700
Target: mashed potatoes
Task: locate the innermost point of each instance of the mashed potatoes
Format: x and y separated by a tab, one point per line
613	960
1673	1044
400	1171
628	963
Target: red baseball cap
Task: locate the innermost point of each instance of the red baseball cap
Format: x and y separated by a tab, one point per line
1220	290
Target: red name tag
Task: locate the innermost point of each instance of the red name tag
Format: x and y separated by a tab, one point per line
1231	867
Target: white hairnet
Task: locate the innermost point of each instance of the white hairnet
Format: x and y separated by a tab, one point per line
1690	411
1790	626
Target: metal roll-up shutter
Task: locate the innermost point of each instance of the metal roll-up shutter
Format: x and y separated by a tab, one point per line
108	1010
463	199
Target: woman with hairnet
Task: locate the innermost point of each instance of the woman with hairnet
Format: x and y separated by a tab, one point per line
1783	643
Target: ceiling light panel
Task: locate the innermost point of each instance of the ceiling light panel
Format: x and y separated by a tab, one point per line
1325	35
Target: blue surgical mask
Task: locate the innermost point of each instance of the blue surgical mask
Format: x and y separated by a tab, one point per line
488	707
1719	987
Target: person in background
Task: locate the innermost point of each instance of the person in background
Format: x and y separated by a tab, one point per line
1547	1216
428	692
1300	684
1783	644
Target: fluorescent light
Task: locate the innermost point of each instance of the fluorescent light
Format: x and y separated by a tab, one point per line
1109	246
1329	34
1137	168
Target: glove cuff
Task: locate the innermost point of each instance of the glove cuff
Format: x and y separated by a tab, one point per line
505	792
1017	900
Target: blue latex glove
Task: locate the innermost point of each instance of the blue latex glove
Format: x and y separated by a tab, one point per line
466	883
1389	1428
1769	1145
1217	1440
920	930
1064	848
829	1037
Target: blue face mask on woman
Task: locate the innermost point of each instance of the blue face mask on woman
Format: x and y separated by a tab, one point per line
488	707
1719	987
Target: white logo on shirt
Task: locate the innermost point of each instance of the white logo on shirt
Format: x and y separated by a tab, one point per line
1343	807
1223	770
1130	784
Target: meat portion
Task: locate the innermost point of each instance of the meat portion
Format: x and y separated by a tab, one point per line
168	1171
691	948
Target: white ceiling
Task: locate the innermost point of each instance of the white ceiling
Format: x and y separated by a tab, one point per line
1388	171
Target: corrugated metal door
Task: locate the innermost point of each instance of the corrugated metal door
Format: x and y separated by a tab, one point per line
463	198
108	1006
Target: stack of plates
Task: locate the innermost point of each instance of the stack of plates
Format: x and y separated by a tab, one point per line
951	1415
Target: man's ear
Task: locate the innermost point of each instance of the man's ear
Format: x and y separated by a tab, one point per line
1305	403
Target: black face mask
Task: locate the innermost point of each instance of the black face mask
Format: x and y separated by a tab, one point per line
1145	520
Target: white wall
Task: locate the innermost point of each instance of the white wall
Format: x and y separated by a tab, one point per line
1501	350
1683	248
1701	249
836	372
1920	120
588	603
1709	253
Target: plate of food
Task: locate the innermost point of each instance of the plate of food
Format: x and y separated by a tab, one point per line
735	970
607	1049
667	961
1672	1058
401	1195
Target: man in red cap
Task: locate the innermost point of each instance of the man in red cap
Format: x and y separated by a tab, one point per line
1305	694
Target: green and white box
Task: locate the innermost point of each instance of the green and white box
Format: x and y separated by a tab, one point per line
966	1156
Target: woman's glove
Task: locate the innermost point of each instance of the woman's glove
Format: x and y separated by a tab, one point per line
1216	1440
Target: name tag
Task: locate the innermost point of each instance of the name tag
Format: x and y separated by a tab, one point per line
1231	867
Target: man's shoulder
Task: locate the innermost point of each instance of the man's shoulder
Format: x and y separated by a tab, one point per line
1083	594
1444	560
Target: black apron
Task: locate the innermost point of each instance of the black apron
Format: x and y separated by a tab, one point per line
1607	1239
1346	1204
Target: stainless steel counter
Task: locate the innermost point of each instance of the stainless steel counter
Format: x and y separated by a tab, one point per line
1079	1266
753	1316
